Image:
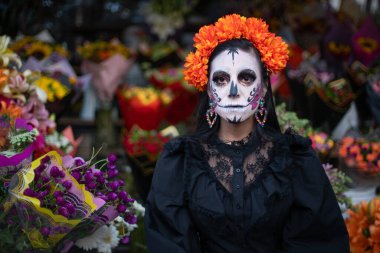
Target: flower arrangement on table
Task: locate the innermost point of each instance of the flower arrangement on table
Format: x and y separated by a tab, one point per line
363	226
145	107
185	97
339	181
64	199
361	154
29	46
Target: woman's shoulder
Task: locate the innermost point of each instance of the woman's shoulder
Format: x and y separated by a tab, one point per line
305	163
169	170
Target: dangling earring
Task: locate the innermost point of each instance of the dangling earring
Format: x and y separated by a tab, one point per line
211	115
261	113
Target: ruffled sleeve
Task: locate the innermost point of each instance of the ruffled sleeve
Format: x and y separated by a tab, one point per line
168	225
315	223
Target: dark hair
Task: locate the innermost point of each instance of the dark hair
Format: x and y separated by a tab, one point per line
203	128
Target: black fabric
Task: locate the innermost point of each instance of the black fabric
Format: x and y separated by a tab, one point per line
289	206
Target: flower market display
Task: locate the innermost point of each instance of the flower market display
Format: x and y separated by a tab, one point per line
51	200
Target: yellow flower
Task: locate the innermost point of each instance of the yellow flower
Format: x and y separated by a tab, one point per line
39	49
53	88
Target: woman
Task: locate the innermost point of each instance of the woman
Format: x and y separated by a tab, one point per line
238	184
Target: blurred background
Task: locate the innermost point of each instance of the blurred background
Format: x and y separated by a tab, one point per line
111	75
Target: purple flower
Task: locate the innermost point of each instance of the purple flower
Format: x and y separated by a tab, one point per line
91	185
112	173
46	159
57	194
29	192
45	179
67	184
121	182
101	180
55	172
113	185
39	186
98	173
45	231
89	176
121	208
130	218
79	162
129	200
111	196
63	211
62	174
123	195
76	175
111	166
111	158
61	201
44	193
70	208
125	240
41	167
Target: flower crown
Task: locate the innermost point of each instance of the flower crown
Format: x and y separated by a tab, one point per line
273	50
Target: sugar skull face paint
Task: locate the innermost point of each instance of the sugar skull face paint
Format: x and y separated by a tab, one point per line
235	84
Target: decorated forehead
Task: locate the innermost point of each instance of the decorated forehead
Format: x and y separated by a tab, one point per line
272	49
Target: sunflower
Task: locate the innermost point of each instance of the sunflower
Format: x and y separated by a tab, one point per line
40	50
52	87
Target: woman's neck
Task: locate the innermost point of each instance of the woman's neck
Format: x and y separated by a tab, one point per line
235	132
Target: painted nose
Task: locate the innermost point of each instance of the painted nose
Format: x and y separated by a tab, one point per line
233	90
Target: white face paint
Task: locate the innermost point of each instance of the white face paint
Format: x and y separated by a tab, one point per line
235	84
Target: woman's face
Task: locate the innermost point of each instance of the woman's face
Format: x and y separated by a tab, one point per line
235	85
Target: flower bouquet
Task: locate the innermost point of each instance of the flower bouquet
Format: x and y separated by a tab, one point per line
107	62
361	154
143	149
363	225
16	148
322	144
339	181
60	82
185	98
145	107
64	199
29	46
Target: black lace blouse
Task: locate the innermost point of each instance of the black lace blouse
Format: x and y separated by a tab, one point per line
266	193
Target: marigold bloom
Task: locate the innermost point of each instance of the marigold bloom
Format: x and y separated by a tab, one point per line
273	50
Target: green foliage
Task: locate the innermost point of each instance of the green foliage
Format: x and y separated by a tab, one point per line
288	119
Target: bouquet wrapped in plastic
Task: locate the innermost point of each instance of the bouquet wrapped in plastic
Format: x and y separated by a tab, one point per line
63	199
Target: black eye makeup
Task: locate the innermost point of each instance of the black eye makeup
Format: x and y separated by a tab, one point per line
221	78
247	77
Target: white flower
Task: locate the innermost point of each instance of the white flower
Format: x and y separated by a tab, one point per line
139	209
109	240
89	242
103	239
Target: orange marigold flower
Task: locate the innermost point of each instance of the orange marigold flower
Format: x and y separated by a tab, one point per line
273	50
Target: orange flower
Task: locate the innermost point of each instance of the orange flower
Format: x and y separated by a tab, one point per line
11	110
3	78
363	226
273	50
